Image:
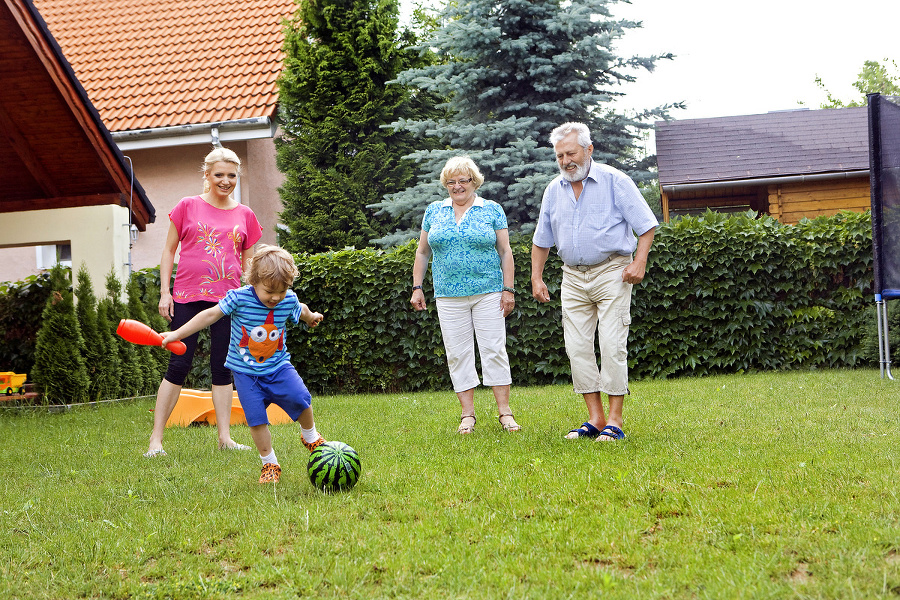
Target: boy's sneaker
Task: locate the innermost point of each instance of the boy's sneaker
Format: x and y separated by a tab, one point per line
271	473
313	445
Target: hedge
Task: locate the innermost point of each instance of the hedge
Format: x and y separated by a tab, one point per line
723	294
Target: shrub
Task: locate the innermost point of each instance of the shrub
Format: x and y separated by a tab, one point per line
59	370
723	294
21	305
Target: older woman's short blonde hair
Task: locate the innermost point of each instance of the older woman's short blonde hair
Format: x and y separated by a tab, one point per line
461	165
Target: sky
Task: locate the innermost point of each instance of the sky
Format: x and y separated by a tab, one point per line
740	58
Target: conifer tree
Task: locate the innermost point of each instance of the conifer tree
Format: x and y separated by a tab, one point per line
95	352
112	384
148	358
131	378
335	96
59	370
514	70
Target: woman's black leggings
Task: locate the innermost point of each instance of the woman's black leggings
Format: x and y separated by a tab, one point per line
219	333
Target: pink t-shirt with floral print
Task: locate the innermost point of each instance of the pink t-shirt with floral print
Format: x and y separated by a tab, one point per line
212	240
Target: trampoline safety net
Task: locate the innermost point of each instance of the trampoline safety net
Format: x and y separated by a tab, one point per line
884	174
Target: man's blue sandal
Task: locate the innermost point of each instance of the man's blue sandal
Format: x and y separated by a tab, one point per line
586	430
613	432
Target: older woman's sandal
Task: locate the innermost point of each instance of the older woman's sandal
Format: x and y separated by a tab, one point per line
510	426
465	426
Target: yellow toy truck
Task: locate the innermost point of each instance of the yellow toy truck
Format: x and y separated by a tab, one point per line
11	383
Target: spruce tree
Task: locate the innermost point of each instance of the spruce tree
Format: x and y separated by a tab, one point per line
336	93
59	369
514	70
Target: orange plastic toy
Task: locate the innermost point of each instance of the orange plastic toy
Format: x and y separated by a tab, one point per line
11	383
138	333
195	406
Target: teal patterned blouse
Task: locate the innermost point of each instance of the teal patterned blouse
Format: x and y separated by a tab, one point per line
464	256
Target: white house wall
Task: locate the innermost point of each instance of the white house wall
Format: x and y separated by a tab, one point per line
98	236
167	175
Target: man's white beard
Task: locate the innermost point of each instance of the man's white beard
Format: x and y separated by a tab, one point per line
579	173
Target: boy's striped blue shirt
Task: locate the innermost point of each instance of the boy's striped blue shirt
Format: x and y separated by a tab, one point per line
258	338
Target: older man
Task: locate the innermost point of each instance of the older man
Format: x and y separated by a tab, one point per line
591	213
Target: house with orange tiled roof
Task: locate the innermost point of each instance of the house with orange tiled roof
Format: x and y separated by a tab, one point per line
64	179
170	79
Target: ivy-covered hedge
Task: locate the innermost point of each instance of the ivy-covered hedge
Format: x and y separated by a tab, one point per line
733	294
21	305
723	294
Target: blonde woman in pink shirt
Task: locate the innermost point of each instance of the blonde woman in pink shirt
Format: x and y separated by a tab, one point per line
216	234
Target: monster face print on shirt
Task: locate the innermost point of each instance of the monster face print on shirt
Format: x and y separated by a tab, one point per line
262	341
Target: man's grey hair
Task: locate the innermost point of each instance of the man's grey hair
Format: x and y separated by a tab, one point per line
584	134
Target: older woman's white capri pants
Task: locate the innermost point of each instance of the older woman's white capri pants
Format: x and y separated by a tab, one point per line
465	319
596	303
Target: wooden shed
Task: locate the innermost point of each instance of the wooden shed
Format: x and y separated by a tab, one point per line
791	164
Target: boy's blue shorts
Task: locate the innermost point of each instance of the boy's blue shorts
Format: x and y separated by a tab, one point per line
284	387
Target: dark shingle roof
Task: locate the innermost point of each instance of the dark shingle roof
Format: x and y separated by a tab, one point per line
775	144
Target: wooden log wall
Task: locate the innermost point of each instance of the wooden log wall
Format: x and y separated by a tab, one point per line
791	202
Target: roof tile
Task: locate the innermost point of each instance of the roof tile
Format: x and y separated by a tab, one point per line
157	63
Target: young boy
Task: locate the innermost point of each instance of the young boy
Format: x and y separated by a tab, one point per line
257	354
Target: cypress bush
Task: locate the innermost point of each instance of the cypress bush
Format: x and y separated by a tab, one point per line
131	372
95	352
149	359
59	370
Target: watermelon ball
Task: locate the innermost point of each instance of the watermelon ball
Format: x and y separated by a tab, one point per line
334	466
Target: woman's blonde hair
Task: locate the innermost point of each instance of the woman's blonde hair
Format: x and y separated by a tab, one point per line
273	265
219	154
462	165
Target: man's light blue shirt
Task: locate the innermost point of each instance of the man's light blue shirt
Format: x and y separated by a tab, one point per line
600	223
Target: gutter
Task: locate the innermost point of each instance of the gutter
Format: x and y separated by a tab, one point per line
196	133
693	187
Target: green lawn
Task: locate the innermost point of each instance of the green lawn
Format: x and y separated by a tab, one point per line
778	485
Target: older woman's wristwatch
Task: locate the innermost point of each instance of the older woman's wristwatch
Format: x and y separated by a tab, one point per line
509	289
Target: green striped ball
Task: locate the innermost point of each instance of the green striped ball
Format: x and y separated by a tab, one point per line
334	466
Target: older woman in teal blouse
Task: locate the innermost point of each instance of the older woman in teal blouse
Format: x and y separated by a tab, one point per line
466	238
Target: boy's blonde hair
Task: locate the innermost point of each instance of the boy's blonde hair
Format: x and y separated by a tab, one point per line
273	265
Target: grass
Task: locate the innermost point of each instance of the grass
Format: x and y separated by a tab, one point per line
780	485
